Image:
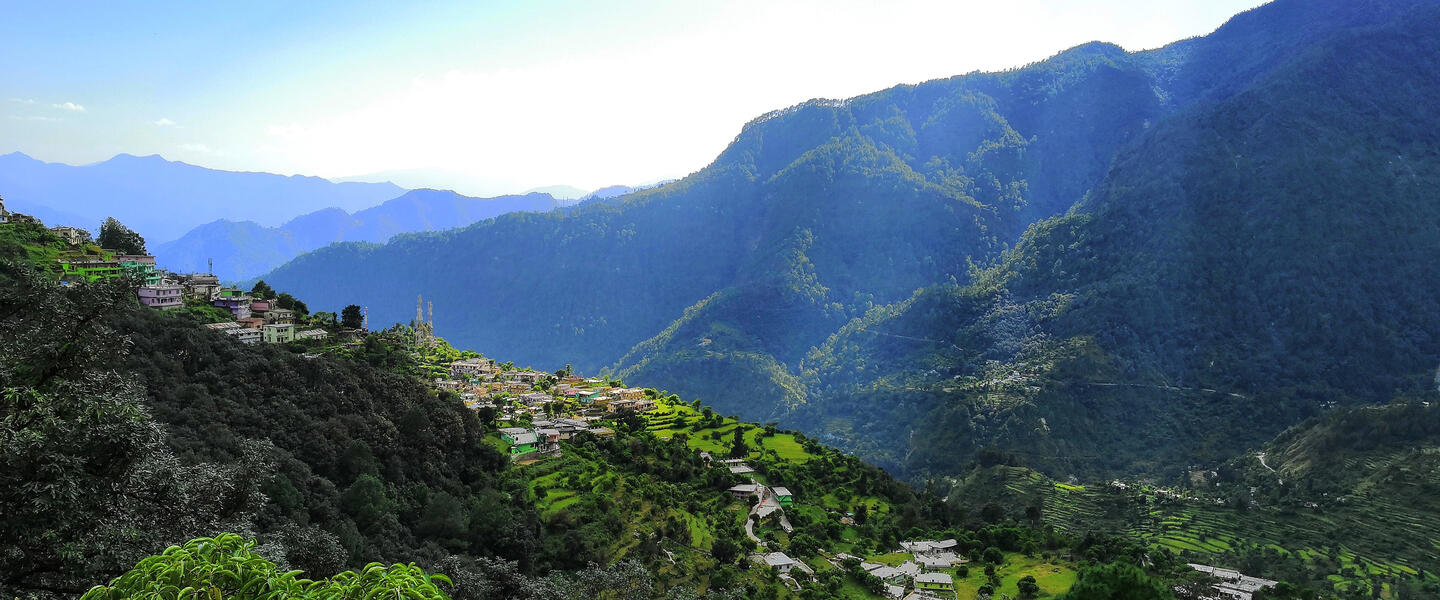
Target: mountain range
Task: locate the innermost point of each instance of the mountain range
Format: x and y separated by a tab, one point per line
242	250
164	199
1105	262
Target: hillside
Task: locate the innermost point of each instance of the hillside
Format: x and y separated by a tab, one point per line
1342	502
243	250
165	198
1167	306
1220	285
879	195
126	430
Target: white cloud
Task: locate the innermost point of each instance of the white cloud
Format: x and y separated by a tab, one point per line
195	148
32	118
163	122
23	100
70	106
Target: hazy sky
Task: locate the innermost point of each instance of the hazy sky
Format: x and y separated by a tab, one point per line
511	94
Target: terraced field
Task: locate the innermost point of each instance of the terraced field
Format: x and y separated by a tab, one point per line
1368	537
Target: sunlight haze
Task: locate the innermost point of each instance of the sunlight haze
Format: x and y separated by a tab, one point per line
500	96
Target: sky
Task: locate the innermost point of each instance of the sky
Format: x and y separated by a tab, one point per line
496	97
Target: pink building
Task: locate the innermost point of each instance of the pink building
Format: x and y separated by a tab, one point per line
163	296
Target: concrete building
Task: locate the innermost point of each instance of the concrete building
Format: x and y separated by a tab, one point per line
163	296
72	235
279	333
935	583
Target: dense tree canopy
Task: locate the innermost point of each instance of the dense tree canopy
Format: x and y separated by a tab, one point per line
116	236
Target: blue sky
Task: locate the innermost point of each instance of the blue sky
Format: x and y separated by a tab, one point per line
492	97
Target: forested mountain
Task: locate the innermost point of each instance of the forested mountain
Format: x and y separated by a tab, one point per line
165	199
1241	219
242	250
1247	263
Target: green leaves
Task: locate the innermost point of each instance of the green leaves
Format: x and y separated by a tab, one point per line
226	566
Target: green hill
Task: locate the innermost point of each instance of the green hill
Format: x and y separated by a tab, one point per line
1244	264
1243	213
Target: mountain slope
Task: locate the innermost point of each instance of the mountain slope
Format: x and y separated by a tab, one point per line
896	190
165	199
1158	324
245	249
1248	262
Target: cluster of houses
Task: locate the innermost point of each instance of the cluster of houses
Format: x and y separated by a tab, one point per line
544	437
920	578
480	382
1234	585
256	319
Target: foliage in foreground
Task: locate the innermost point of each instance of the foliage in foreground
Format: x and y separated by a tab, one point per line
227	566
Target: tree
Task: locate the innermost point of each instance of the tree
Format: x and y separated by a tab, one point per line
351	317
118	237
738	448
1117	581
262	290
1028	587
724	551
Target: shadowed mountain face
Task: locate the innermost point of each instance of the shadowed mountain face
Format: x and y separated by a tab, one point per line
1239	256
243	250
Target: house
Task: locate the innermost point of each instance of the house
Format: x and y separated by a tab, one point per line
72	235
631	393
936	583
235	301
536	398
252	322
782	496
526	377
279	316
508	433
139	266
894	592
888	574
312	334
472	368
279	333
1234	585
244	334
601	431
89	268
161	296
744	490
201	286
706	457
523	443
741	469
922	546
260	305
548	436
938	560
781	562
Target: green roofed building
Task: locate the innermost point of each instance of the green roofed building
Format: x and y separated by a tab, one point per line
90	268
139	266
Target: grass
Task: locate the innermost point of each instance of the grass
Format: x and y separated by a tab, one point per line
1053	577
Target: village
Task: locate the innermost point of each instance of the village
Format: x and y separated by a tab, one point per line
537	411
254	318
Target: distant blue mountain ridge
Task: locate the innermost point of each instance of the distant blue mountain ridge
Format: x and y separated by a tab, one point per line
163	199
244	249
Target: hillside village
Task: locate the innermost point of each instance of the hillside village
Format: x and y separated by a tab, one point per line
535	415
255	316
537	412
